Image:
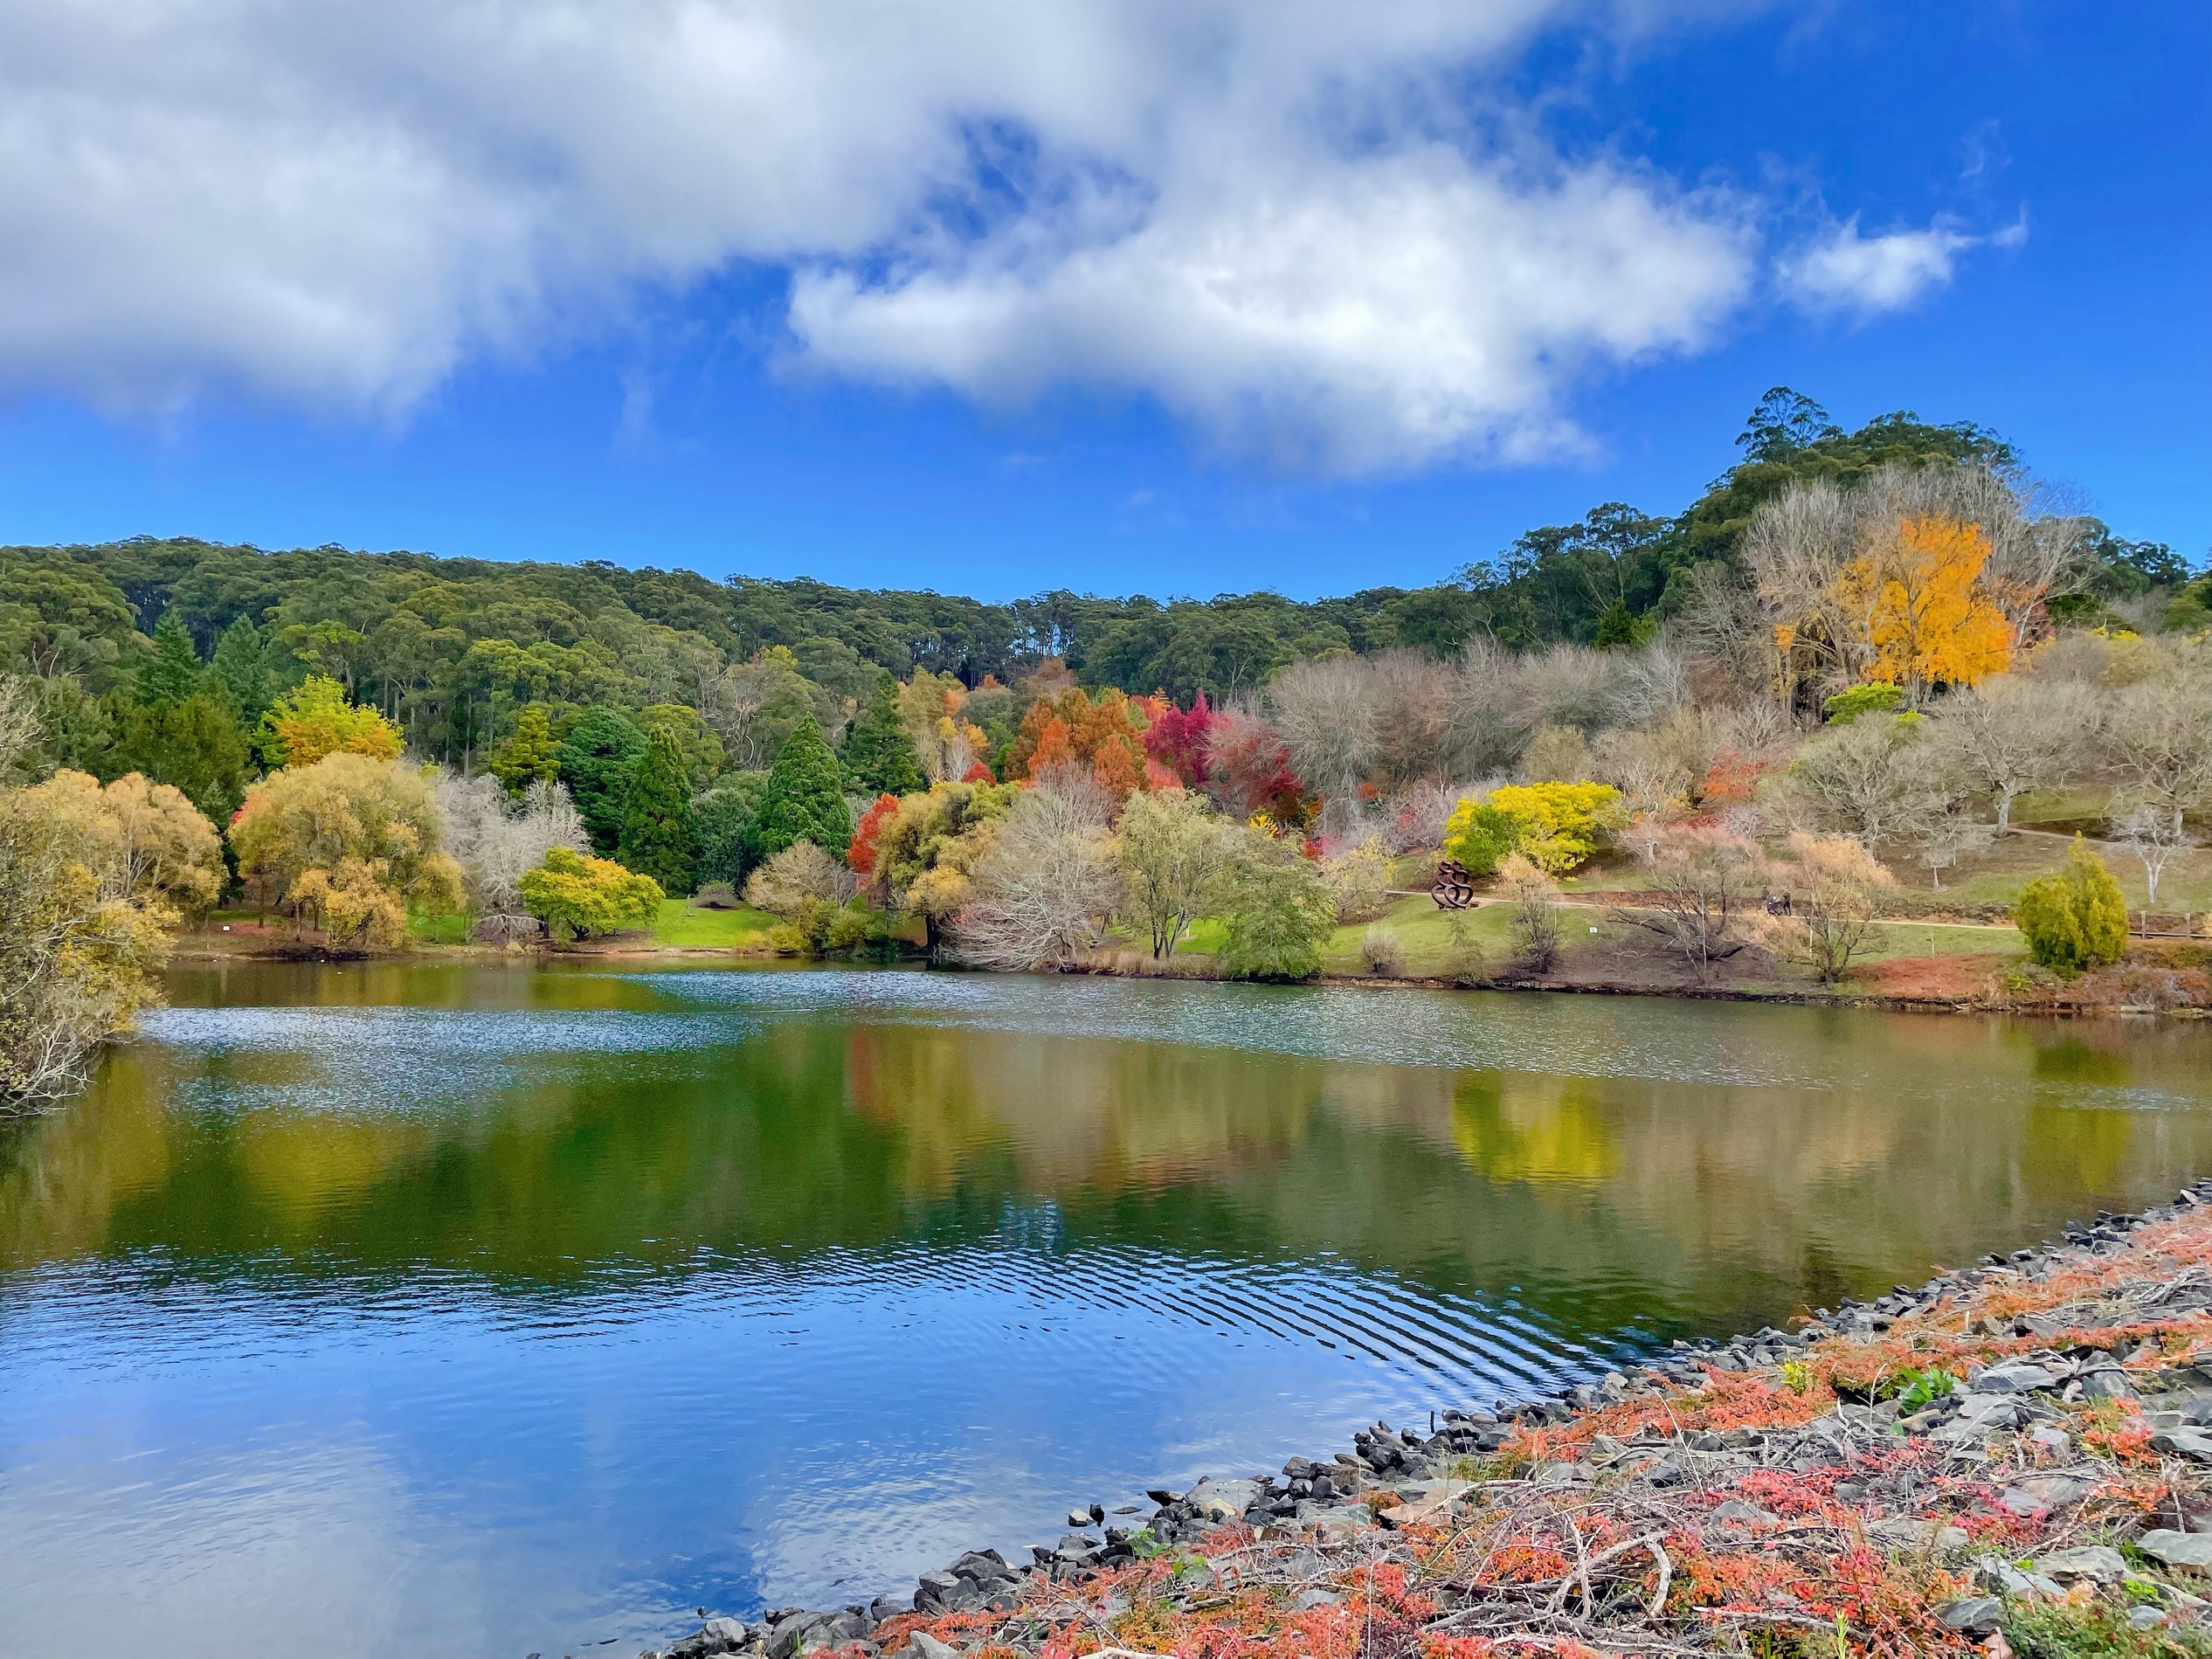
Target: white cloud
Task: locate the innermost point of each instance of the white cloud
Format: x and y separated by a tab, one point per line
1272	214
1845	271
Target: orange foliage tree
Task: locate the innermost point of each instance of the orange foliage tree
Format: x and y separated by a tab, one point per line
1919	599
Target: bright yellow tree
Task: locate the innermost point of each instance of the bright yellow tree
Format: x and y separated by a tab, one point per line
346	844
315	720
1919	597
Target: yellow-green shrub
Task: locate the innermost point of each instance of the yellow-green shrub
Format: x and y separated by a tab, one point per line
2076	917
1556	825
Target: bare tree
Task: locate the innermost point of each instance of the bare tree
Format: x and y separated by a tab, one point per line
1872	778
1556	755
2014	734
1037	895
2154	838
1704	884
498	843
1327	710
1650	768
1535	922
1835	891
1941	839
1488	729
2159	735
800	877
1412	694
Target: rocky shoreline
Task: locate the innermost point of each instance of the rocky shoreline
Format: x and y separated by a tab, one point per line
2015	1457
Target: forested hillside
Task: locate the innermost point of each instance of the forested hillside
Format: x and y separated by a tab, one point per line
452	649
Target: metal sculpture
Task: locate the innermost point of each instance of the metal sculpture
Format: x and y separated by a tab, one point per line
1454	887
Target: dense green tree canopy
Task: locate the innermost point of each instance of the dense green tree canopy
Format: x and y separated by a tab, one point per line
596	761
656	839
803	799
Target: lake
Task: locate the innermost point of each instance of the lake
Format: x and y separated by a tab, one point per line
430	1309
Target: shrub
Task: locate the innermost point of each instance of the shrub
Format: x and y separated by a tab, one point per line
800	874
716	895
1854	701
1380	950
2074	918
1557	826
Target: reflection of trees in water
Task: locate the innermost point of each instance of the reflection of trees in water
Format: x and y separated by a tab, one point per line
1593	1202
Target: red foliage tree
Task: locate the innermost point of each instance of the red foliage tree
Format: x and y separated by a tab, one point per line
1249	768
859	857
1177	739
978	773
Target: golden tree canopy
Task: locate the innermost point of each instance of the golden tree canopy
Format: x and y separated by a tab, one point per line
315	720
326	839
1919	598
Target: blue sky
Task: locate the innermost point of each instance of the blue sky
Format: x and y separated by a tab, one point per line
1166	299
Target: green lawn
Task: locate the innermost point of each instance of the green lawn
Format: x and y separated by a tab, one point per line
682	925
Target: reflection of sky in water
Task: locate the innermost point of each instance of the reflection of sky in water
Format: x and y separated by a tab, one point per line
463	1474
448	1331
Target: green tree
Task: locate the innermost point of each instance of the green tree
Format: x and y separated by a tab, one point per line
2076	917
602	750
576	897
1171	850
701	751
193	745
656	837
173	673
530	754
804	798
722	827
879	755
1277	909
246	667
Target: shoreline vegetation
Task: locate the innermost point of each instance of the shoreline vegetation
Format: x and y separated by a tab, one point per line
2014	1458
1872	694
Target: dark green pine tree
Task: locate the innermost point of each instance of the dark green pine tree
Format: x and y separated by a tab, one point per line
656	816
530	755
879	756
174	673
804	800
195	744
601	753
244	666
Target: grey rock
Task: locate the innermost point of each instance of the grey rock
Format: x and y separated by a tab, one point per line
2178	1549
888	1607
2000	1575
2107	1384
1736	1512
2015	1378
923	1645
2146	1619
2093	1561
716	1635
2192	1443
1222	1500
1306	1600
2048	1438
2040	1492
1078	1517
1974	1616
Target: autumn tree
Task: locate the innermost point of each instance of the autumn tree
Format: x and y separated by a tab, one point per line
1915	597
348	844
1835	890
314	719
81	940
927	850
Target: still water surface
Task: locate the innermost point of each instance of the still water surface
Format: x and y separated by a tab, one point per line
432	1310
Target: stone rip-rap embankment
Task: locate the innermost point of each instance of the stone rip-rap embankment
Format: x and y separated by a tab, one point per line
2014	1458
